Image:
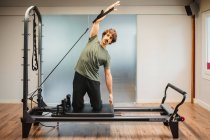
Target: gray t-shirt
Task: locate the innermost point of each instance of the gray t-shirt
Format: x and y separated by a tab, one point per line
93	56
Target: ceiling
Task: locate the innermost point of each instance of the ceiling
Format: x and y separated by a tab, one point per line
66	3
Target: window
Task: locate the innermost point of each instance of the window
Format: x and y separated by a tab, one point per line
61	32
206	45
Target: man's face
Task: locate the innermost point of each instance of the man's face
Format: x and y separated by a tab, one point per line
107	39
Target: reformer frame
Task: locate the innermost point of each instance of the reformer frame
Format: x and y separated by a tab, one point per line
168	116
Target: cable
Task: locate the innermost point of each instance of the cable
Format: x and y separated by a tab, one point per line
32	93
32	100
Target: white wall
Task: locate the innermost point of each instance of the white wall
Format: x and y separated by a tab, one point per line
202	86
164	56
11	86
11	71
11	42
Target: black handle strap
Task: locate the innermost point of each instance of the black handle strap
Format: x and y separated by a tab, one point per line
34	54
102	14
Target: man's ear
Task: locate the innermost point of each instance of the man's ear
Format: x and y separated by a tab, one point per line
111	42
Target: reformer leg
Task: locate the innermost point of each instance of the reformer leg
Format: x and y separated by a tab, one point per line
26	124
36	113
25	129
36	124
166	122
174	126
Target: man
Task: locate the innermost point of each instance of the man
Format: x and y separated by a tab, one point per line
86	78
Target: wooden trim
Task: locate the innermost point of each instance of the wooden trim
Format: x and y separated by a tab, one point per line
193	61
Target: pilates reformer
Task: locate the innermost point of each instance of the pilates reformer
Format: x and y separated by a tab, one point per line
63	112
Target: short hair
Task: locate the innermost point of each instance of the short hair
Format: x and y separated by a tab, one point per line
111	31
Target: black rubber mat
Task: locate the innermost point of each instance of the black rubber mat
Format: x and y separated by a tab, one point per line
106	111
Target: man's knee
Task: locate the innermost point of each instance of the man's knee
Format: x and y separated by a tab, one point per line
97	107
77	108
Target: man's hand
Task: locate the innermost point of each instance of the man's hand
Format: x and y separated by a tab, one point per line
113	5
98	20
110	99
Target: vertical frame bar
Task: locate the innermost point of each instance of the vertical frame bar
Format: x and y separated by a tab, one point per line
26	119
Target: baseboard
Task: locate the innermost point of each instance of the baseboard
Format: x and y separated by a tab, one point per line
202	104
12	101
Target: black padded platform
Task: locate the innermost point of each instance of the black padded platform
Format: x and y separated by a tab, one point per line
87	111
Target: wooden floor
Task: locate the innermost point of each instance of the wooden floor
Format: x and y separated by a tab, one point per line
195	127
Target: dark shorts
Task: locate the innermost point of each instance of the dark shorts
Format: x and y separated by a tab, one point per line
83	85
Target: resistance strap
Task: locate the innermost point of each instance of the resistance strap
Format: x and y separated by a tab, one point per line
102	14
34	54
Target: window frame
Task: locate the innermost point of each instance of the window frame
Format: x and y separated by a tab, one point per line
205	70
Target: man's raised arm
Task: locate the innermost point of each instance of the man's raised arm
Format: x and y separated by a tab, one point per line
95	26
